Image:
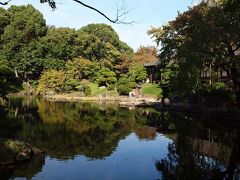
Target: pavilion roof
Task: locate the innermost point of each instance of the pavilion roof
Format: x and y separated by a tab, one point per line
153	63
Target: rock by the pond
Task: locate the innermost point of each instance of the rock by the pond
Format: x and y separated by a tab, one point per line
13	151
7	157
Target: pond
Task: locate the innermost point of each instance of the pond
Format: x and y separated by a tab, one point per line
105	141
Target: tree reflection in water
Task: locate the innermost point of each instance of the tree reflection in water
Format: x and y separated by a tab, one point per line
199	150
64	130
205	149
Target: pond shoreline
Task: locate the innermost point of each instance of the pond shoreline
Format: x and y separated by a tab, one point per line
122	101
232	113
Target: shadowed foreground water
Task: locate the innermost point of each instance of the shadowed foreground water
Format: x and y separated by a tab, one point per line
99	141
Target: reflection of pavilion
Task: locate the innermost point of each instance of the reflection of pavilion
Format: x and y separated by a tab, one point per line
214	150
208	148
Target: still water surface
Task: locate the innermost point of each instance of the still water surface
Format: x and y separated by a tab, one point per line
99	141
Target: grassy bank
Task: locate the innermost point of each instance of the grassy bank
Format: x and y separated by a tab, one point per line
151	90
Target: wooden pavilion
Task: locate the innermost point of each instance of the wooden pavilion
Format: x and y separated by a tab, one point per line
153	71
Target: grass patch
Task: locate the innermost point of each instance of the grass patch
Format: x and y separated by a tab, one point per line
95	91
151	90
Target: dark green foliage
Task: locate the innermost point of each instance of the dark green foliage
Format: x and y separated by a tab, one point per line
71	85
106	77
124	86
74	85
59	43
4	20
137	73
106	34
206	34
8	82
31	48
99	42
20	38
217	95
51	63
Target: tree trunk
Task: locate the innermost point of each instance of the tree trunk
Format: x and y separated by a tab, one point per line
234	159
16	73
236	85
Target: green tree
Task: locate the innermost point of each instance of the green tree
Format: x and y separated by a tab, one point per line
137	73
26	25
59	43
8	82
30	47
107	35
124	86
106	77
98	42
4	20
204	34
51	81
80	68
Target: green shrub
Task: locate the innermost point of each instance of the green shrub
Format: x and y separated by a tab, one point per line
217	94
124	86
110	87
218	86
80	68
71	85
83	86
51	81
106	77
137	73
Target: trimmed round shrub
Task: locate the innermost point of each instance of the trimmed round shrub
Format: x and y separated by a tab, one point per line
124	86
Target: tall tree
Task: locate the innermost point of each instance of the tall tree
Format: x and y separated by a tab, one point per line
59	43
206	33
99	42
25	27
4	20
8	82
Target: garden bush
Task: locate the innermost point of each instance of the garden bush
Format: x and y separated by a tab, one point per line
51	81
124	86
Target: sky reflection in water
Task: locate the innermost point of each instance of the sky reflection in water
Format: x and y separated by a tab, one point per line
133	159
92	141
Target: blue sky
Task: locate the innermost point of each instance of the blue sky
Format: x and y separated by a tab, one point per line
146	12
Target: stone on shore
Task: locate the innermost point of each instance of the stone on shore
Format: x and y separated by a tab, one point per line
14	151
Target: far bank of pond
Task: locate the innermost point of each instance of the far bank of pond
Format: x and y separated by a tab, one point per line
124	101
232	114
87	140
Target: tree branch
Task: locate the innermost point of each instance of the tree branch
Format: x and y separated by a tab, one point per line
5	3
120	17
236	48
120	13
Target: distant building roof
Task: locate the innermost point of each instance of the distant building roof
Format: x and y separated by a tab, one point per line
153	63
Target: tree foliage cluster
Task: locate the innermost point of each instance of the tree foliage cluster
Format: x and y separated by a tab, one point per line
8	82
33	51
207	33
146	54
